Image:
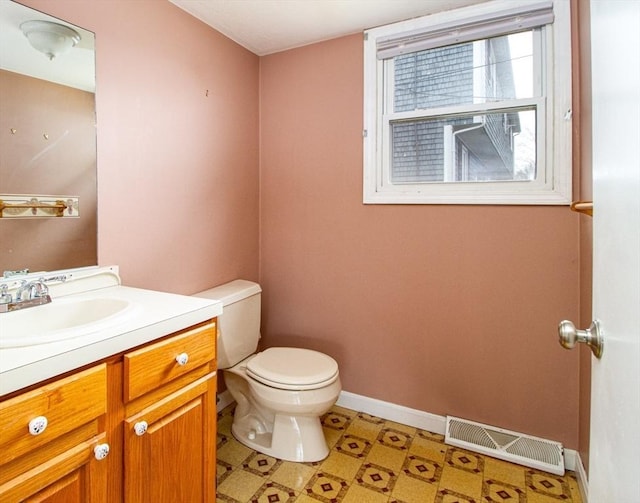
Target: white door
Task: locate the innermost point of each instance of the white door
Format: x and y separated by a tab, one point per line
614	458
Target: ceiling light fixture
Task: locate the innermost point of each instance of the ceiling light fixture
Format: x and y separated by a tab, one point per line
49	38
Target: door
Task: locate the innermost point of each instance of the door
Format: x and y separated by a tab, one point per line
169	450
614	457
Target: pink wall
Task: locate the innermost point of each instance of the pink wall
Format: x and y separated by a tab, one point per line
177	169
446	309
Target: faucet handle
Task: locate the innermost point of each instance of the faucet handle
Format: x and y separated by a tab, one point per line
40	288
5	296
19	272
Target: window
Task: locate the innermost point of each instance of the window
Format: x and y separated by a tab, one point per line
470	106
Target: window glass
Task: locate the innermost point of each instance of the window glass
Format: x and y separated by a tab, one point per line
483	147
499	68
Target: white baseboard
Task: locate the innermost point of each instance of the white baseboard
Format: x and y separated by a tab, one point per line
224	400
583	481
416	418
570	457
393	412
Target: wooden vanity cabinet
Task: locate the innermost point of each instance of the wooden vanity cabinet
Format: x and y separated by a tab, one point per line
172	460
56	462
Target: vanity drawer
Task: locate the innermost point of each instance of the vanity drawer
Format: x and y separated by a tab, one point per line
66	404
152	366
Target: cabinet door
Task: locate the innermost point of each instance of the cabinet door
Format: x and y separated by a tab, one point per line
169	451
75	476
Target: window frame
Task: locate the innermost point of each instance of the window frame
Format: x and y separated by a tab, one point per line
553	183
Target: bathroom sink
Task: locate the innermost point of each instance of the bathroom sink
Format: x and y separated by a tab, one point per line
62	319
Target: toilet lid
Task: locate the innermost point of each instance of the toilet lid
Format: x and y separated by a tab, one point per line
293	368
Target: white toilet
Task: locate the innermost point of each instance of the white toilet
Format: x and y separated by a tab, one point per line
280	392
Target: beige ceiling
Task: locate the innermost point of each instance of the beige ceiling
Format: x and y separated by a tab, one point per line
268	26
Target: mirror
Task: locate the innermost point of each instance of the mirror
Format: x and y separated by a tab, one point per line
47	144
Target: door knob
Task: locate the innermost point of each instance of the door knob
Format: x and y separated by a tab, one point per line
140	428
592	336
101	451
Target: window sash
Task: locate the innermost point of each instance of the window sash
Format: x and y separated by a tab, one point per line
486	25
384	181
454	110
389	117
417	164
387	92
553	124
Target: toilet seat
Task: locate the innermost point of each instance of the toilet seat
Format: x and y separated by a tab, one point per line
293	368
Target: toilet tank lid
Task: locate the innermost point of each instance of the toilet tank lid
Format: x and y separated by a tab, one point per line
231	292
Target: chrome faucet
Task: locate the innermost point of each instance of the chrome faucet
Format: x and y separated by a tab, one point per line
28	294
34	289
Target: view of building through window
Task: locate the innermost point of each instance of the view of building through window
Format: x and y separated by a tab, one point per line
457	116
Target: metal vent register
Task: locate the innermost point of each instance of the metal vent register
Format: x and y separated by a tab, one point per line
507	445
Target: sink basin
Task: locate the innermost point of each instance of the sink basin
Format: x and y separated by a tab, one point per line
62	319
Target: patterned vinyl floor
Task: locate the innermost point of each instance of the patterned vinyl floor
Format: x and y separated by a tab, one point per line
376	461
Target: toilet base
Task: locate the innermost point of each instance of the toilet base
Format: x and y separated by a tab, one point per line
286	441
281	423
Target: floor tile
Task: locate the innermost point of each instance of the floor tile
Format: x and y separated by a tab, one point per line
342	465
422	469
376	478
361	427
326	487
293	475
234	453
241	485
495	491
497	469
410	489
372	460
360	494
461	482
547	485
271	492
429	448
354	446
261	464
386	456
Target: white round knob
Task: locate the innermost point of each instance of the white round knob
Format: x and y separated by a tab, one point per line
140	428
101	451
37	425
182	358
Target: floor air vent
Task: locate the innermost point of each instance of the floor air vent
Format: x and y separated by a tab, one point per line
507	445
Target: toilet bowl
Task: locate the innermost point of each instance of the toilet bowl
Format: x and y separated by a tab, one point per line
280	392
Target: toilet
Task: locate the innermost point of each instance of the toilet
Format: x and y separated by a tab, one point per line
280	392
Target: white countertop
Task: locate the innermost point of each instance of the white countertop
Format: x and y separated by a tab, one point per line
154	314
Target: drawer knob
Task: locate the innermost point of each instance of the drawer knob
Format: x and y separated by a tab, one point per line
37	425
101	451
140	428
182	359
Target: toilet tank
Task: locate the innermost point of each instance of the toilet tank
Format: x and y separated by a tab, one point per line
239	323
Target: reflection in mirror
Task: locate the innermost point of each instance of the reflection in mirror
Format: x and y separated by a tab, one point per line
47	140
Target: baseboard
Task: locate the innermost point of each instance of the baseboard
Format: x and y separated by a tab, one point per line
224	400
416	418
583	480
393	412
